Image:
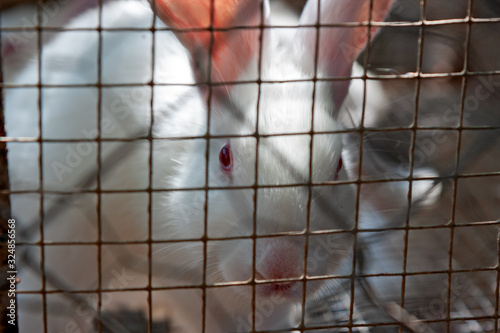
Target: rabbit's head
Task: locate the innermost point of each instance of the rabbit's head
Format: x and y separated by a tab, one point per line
274	152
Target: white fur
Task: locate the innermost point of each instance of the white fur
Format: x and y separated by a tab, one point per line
180	111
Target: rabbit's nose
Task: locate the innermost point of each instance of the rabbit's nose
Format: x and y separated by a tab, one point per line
282	261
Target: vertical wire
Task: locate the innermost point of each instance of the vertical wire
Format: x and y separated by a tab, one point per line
204	238
262	27
309	180
414	129
456	175
150	175
99	166
497	288
40	166
359	180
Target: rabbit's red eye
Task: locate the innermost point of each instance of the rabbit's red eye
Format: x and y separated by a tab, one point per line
226	158
339	167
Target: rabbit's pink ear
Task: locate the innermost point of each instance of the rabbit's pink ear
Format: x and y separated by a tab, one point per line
339	46
235	37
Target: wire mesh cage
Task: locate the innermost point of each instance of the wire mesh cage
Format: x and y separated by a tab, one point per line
223	166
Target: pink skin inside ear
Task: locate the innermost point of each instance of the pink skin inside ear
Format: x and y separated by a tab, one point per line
231	50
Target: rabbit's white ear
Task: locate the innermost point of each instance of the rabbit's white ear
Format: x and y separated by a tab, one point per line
338	46
235	36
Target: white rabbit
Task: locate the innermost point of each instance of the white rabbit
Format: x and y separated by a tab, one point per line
259	217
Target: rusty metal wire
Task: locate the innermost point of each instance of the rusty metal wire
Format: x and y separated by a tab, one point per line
467	300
